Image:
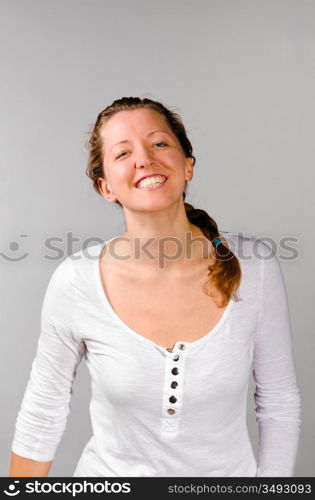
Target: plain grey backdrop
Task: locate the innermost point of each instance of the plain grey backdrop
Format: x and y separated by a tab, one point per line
241	75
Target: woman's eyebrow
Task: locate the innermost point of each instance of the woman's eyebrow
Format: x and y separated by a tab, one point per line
148	135
158	130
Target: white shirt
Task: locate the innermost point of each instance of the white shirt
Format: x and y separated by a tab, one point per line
134	433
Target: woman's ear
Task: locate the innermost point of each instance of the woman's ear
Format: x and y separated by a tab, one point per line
106	190
189	169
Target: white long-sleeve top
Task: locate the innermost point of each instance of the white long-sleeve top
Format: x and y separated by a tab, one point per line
137	430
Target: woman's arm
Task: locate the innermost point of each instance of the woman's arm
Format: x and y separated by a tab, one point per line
42	418
25	467
277	396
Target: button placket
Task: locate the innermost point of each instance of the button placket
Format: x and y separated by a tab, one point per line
173	388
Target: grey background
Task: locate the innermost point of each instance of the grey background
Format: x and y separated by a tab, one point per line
241	75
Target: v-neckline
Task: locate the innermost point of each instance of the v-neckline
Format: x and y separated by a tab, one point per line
104	300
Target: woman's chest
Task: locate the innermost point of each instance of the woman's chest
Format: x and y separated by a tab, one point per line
162	309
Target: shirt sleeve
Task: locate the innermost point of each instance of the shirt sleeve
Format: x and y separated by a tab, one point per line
277	395
42	418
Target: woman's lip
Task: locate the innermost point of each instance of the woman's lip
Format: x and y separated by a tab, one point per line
149	188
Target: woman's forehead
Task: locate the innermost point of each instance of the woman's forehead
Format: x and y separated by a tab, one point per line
126	123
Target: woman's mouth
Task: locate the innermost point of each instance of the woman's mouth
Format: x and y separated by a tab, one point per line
153	182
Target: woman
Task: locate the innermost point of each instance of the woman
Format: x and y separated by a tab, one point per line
168	341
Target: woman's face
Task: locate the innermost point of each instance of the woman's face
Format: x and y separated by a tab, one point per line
149	147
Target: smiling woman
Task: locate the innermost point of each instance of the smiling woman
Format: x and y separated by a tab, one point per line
168	342
165	150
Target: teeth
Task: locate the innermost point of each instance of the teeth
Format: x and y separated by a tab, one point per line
152	181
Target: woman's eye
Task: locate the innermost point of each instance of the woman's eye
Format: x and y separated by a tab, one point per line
120	155
124	152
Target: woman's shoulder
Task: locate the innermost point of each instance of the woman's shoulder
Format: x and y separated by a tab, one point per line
75	267
87	254
248	247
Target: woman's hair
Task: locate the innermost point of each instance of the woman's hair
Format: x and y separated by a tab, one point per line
225	273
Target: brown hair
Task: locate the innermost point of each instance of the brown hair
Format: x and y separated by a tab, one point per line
225	273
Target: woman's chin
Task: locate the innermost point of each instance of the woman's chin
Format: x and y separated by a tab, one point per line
150	204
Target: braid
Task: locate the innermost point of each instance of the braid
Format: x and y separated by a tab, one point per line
201	219
225	273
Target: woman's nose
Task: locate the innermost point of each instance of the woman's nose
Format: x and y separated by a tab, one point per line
143	158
